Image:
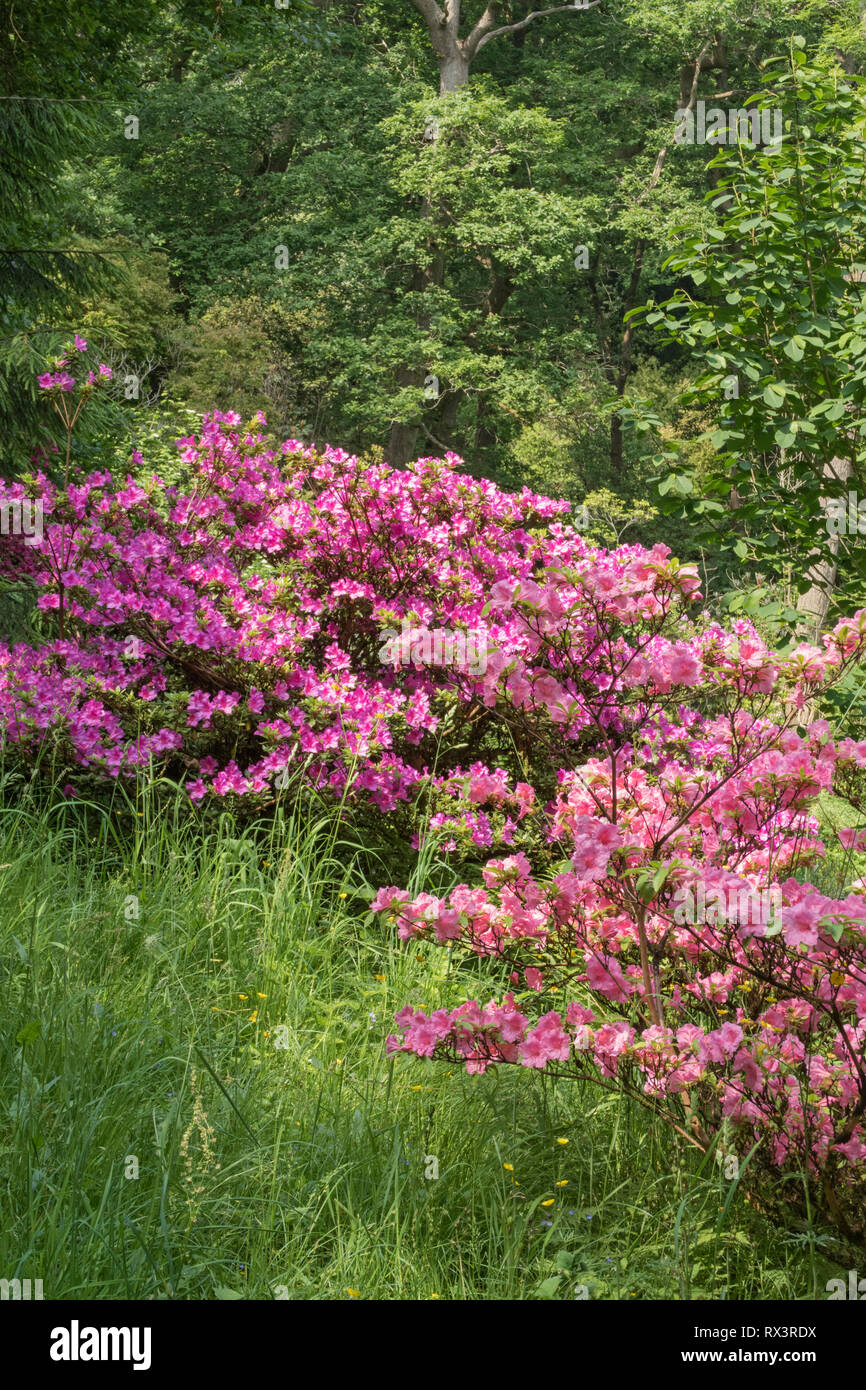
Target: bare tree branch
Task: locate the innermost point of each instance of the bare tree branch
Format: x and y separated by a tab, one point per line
485	33
690	105
446	448
475	38
430	11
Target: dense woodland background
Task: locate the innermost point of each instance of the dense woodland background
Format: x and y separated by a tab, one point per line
390	232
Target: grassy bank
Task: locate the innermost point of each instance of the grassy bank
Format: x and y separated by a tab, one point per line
196	1101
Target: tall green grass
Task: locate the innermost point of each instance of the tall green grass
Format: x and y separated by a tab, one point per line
209	1011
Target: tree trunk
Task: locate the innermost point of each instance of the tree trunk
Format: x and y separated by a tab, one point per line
815	603
455	57
453	74
453	71
616	448
447	430
401	444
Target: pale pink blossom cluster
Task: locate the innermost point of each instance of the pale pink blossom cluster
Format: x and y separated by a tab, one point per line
756	1019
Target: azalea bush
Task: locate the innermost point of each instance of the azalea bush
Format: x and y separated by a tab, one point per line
231	632
288	622
672	947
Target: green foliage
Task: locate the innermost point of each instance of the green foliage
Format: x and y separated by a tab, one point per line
405	260
59	74
778	320
225	360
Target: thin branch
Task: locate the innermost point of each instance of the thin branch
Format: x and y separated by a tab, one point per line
474	44
689	106
433	440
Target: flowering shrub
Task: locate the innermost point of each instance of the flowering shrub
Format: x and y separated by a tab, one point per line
647	771
742	1022
231	631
